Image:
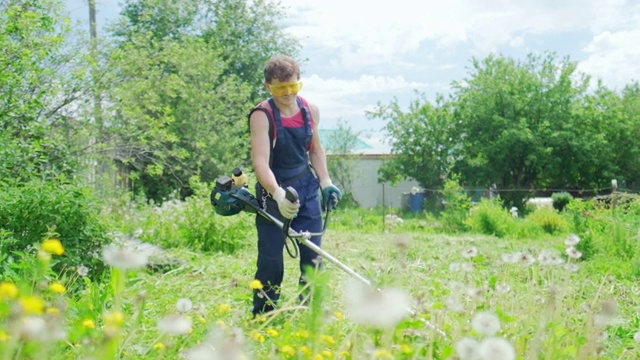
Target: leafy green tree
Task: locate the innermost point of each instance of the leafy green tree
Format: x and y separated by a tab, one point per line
421	141
41	84
341	145
183	84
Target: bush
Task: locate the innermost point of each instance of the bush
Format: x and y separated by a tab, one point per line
549	220
33	211
491	218
457	205
560	200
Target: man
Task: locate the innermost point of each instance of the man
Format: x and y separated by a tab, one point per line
281	152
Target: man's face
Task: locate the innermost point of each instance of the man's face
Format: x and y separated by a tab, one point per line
284	90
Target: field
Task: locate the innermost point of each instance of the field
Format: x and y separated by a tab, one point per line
470	295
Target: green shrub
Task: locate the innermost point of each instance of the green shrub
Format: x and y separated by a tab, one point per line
549	220
491	218
33	211
457	205
560	200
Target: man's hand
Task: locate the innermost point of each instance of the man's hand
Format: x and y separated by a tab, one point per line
330	194
288	209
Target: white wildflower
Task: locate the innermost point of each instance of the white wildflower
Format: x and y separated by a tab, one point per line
549	258
573	253
175	325
184	305
376	307
496	348
124	257
82	270
470	253
485	323
467	348
572	240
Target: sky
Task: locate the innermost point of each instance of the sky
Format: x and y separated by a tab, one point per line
362	53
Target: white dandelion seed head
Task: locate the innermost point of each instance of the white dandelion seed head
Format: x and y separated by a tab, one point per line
475	293
467	348
454	304
503	288
175	325
184	305
201	352
82	270
571	267
455	267
470	253
485	323
636	337
573	253
466	267
526	259
496	348
124	257
380	308
510	258
31	328
572	240
549	258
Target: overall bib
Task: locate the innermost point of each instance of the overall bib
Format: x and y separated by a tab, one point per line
290	165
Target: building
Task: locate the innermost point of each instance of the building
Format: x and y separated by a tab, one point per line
363	162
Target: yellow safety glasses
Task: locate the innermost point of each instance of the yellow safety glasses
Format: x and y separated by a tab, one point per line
282	89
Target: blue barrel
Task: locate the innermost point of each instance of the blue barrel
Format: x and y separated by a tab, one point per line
416	201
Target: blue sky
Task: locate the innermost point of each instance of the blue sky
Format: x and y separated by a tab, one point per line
361	52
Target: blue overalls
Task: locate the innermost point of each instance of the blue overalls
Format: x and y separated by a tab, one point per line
290	165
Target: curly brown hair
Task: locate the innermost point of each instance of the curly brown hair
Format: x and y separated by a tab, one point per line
281	67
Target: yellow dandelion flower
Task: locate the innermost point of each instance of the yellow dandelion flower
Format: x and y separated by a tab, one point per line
305	350
202	320
88	324
272	332
256	284
338	315
383	354
53	246
159	346
53	311
221	324
4	337
317	357
76	345
224	308
32	305
288	351
406	349
303	334
326	354
257	337
8	290
114	318
58	288
329	340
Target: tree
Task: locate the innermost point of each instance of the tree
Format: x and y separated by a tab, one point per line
341	145
183	84
421	141
42	80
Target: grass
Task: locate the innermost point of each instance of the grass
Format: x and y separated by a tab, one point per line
544	311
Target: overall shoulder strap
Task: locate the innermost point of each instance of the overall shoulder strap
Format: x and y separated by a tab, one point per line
272	129
306	114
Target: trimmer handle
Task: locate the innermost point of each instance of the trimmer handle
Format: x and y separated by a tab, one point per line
291	194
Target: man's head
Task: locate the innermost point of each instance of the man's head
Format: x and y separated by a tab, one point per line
282	68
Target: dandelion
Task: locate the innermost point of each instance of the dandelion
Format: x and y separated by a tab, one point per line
184	305
4	337
526	259
88	324
572	240
114	318
57	288
31	328
607	313
302	334
376	307
573	253
82	270
466	348
32	305
256	284
53	246
175	325
406	349
124	257
454	304
382	354
288	351
495	348
8	290
305	350
338	315
272	332
571	267
329	340
503	288
485	323
159	346
549	258
511	258
636	337
326	354
53	311
224	308
470	253
258	337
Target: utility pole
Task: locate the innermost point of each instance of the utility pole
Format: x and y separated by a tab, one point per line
93	33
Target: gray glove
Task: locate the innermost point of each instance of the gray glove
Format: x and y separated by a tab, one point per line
288	209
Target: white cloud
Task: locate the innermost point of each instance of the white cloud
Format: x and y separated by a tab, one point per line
614	57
